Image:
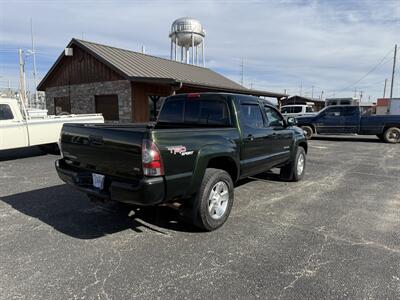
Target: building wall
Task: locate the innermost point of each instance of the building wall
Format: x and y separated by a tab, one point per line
82	97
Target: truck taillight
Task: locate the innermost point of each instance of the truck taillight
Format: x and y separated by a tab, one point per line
151	159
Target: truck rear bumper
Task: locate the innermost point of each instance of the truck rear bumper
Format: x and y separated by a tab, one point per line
144	192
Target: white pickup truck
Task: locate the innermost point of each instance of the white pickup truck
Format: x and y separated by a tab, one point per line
18	129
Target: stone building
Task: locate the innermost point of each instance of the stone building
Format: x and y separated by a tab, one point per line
123	85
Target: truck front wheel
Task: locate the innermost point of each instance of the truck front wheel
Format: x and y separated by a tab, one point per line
294	171
214	200
392	135
308	132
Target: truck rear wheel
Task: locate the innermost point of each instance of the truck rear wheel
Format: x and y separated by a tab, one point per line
294	171
214	200
392	135
308	132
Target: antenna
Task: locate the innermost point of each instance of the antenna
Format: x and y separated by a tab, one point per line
34	65
394	68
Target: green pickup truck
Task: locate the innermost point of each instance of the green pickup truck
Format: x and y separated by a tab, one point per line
201	144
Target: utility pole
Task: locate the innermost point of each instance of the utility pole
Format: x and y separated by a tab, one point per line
242	72
384	89
22	89
355	92
322	94
394	68
312	92
34	66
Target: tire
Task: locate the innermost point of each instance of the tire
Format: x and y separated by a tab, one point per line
209	214
308	132
392	135
292	171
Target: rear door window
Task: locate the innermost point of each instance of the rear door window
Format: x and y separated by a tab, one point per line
250	115
349	111
5	112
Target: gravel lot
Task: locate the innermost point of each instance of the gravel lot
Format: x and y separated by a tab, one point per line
334	235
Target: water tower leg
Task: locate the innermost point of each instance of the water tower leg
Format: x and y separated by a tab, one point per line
172	48
202	53
192	49
181	53
176	46
187	55
197	55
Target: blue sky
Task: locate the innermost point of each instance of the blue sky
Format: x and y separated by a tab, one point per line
285	44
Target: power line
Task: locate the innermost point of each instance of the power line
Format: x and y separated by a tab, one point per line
369	72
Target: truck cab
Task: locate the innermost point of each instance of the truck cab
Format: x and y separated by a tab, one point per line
297	110
20	129
14	131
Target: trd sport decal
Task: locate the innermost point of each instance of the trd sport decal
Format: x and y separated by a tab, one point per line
179	150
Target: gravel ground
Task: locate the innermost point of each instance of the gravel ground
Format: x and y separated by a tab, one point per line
336	234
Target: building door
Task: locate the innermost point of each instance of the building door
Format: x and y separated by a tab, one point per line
108	106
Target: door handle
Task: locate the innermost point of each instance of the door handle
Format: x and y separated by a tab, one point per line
250	137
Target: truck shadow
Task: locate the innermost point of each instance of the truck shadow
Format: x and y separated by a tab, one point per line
20	153
70	212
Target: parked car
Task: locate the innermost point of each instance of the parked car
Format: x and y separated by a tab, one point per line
19	129
349	120
297	110
192	156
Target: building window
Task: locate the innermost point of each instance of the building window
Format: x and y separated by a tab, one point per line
108	106
62	105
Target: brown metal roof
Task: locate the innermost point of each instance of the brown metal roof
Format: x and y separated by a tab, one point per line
136	66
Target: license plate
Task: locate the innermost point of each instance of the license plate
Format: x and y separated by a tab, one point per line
98	181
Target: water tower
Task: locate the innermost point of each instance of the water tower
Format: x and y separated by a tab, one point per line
188	34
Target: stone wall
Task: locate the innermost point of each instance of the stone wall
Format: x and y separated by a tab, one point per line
82	97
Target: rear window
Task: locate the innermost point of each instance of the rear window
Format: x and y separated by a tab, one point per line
297	109
196	111
5	112
286	110
309	109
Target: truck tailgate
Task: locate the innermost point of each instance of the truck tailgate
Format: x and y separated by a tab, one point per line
106	149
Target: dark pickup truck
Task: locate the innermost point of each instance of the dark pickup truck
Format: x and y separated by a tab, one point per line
191	157
347	119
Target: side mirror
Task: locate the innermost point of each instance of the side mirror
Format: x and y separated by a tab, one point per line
291	121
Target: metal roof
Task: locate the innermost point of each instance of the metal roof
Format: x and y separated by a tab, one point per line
141	67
